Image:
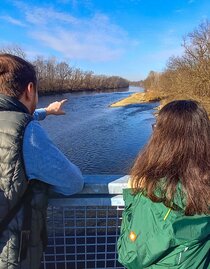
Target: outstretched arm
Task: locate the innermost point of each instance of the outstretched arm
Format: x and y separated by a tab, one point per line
45	162
55	108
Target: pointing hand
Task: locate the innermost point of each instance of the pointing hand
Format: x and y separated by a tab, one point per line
56	108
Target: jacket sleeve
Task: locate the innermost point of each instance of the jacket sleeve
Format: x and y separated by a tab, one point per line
45	162
39	114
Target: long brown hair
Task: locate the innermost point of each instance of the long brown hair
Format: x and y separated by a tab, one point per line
15	75
178	152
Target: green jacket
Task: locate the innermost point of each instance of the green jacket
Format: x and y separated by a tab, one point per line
154	236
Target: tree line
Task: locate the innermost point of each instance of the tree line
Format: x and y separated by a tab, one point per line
137	83
186	76
59	76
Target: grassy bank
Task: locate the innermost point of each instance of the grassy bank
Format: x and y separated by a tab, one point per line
152	96
137	98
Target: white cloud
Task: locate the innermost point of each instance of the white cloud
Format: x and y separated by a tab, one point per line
39	16
12	20
83	46
95	38
42	16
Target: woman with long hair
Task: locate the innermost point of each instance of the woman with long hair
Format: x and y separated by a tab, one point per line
166	221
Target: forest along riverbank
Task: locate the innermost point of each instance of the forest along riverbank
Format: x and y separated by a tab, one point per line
98	139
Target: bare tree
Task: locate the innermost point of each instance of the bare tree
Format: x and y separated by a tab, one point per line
187	76
13	49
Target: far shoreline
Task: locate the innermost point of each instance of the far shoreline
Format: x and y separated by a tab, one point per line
57	92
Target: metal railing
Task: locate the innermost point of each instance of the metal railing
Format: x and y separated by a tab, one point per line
83	229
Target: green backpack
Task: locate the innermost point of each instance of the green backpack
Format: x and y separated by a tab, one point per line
154	236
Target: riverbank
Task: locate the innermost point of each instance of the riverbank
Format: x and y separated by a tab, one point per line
137	98
151	96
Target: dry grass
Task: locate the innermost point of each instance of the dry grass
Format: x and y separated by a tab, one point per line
153	96
136	98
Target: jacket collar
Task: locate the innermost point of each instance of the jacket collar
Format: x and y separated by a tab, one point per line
8	103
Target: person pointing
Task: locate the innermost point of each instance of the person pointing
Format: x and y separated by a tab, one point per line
30	165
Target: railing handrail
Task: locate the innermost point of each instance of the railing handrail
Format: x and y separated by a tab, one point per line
100	190
103	184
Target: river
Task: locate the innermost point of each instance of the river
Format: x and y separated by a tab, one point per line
97	138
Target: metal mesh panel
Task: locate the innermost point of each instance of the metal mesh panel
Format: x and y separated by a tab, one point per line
82	237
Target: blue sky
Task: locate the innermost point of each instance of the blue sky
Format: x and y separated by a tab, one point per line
112	37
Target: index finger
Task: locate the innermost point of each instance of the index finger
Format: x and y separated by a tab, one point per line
63	101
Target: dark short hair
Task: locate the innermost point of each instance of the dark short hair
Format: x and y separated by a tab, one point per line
15	75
